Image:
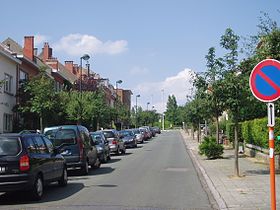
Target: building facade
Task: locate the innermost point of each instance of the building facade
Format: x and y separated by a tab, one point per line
9	66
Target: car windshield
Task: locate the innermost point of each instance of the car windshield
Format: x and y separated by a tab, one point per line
61	136
109	134
9	146
136	131
126	133
96	137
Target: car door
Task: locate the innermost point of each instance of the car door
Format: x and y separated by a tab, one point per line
56	159
44	158
89	149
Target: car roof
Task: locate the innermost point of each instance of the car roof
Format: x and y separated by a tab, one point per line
19	134
61	126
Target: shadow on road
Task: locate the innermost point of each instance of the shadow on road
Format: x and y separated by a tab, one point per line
52	193
101	170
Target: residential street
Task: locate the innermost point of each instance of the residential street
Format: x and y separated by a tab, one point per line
157	175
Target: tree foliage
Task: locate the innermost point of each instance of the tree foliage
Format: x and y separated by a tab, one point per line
42	96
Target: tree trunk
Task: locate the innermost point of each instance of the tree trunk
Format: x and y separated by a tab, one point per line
192	132
236	165
217	129
198	134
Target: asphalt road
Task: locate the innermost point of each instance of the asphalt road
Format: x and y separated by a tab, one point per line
157	175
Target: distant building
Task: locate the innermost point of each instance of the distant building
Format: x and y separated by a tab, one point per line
124	96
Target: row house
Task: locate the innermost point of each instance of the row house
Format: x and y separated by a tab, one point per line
19	64
9	66
30	66
124	96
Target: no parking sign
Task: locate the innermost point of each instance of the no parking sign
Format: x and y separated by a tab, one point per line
265	80
265	86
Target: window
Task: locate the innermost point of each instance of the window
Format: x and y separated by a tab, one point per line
7	122
8	83
9	146
23	77
30	145
49	144
40	145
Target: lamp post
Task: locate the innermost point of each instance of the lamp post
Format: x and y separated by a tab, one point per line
117	82
137	96
162	109
85	57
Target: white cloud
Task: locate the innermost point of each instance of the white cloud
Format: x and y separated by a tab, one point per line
137	70
179	85
78	44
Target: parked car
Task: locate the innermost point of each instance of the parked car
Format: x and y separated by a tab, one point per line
148	132
115	143
76	144
156	129
139	135
145	133
28	162
129	138
102	145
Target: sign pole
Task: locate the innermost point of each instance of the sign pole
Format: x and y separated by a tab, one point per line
271	124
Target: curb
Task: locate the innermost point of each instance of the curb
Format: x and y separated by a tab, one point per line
220	201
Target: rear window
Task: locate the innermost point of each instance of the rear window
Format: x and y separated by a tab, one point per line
109	134
61	136
9	146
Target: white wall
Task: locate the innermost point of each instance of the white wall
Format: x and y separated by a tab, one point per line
7	101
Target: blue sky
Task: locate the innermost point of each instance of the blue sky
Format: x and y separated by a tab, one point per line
152	45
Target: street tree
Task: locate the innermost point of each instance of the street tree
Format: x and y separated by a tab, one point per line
232	85
78	105
42	96
213	75
171	110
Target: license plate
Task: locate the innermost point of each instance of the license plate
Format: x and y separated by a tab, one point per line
2	169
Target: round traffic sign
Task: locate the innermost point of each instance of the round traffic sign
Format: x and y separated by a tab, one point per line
265	80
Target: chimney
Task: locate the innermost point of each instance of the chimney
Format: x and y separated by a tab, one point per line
47	52
75	69
28	47
53	62
69	66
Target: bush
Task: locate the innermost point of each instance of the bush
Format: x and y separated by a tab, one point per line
256	132
210	148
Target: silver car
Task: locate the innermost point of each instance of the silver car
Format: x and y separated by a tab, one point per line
116	144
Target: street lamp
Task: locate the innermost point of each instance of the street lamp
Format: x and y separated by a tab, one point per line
85	57
118	82
137	96
148	106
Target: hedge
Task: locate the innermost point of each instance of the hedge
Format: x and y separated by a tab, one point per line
255	132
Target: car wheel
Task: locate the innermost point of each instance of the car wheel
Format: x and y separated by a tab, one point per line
118	151
123	151
38	188
84	169
64	178
105	159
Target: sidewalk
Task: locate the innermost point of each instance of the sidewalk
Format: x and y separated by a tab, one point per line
249	192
